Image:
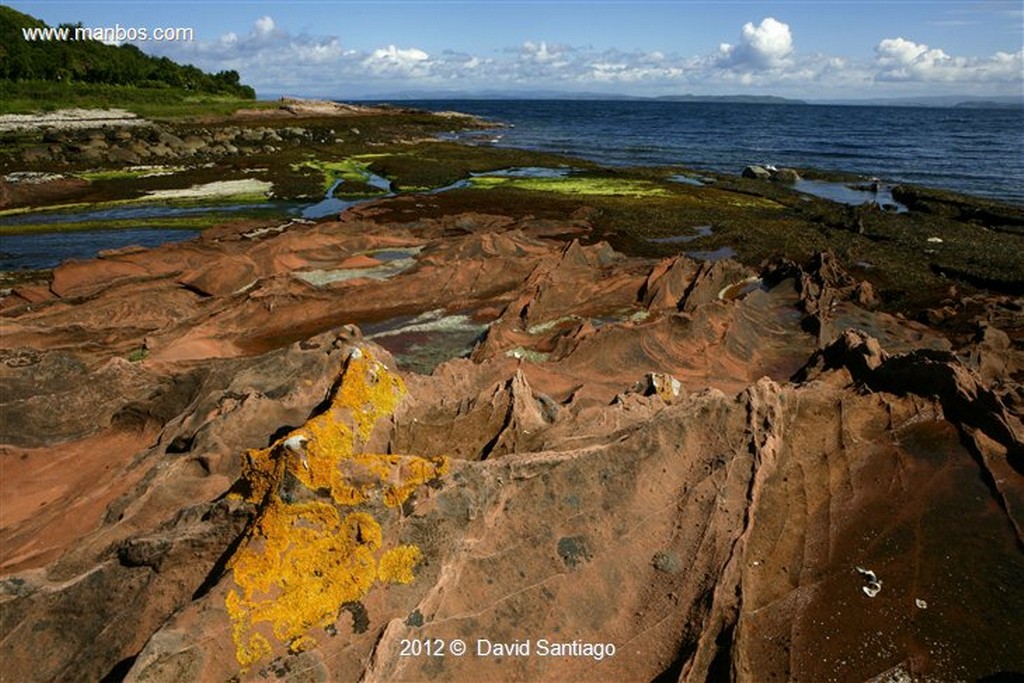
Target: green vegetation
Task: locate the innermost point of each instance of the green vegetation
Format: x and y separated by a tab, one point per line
47	74
23	97
122	173
613	187
354	173
431	165
188	222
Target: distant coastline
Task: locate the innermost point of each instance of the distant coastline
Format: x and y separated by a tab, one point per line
939	101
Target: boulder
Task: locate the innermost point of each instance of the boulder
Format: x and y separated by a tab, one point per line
36	154
170	140
194	142
756	172
123	155
785	175
140	149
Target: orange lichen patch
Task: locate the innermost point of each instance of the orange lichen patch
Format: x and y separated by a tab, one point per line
376	396
310	563
249	647
305	556
397	564
258	471
301	644
413	472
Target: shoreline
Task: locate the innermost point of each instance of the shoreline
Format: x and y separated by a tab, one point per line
862	143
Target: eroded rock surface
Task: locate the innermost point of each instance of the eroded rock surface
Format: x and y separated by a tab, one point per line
219	464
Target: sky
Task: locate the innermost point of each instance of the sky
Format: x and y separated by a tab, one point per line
809	49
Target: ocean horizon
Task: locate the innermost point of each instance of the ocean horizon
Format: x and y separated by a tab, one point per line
975	151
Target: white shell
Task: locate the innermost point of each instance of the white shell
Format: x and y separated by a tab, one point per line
872	588
867	574
296	443
921	604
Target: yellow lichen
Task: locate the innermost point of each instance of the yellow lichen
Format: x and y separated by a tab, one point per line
304	556
397	564
250	647
301	644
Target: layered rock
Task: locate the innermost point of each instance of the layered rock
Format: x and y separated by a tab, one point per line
672	470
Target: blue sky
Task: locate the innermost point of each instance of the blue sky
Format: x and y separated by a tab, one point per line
810	49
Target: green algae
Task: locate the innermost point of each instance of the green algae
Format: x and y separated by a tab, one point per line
573	185
128	173
529	355
435	164
187	222
350	170
220	200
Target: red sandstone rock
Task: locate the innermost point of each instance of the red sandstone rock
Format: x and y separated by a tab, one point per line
707	533
84	278
222	277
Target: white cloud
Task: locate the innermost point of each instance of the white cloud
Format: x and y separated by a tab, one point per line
899	59
765	60
264	25
540	52
901	52
395	62
764	46
399	56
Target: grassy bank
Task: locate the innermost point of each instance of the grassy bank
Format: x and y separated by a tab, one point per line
26	97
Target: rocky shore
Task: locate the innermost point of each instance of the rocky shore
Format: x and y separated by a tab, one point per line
527	410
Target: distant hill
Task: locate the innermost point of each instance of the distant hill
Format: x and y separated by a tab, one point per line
491	94
96	63
989	104
961	101
563	95
731	99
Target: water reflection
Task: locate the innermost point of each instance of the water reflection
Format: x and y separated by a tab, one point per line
849	194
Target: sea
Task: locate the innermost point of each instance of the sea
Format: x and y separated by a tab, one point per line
971	150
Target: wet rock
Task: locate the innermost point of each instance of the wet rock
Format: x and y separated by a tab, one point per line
36	154
140	149
194	143
788	176
170	140
119	135
54	135
120	155
756	172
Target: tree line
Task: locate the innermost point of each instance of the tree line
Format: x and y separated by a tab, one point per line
93	62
